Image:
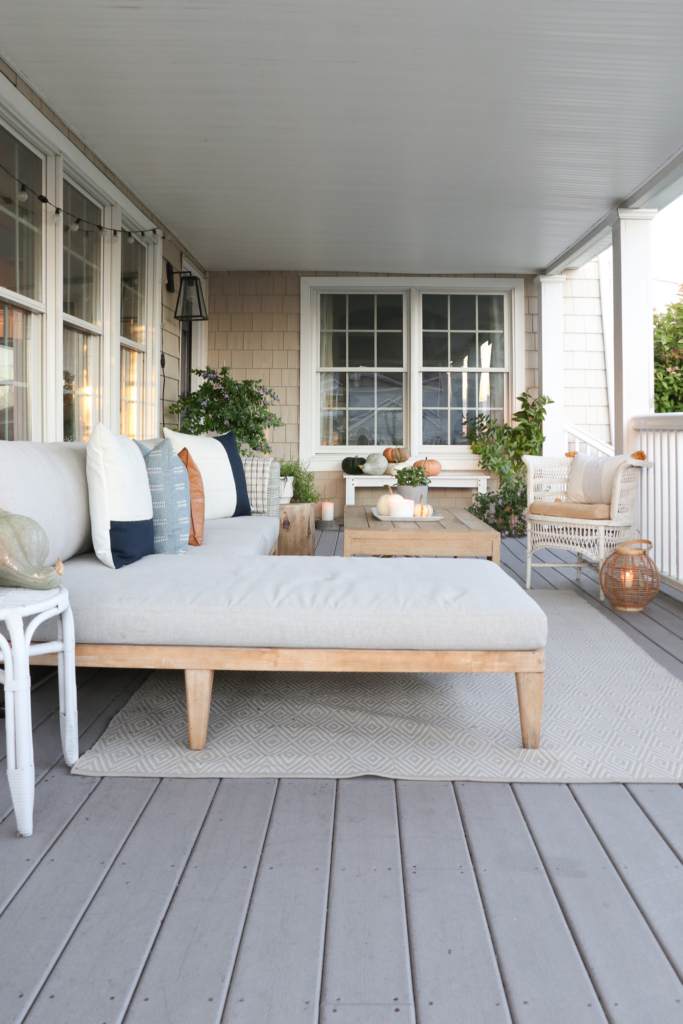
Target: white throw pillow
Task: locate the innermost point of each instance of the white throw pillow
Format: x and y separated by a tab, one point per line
211	458
121	515
591	480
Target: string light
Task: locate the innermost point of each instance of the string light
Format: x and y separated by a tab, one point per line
23	194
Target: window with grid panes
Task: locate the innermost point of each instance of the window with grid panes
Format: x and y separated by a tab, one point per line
361	370
464	369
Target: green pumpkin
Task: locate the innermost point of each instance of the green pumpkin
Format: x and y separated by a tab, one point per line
352	464
23	550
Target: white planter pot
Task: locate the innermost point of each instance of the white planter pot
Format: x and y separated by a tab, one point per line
286	489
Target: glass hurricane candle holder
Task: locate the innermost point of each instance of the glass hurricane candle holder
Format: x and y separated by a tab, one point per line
629	578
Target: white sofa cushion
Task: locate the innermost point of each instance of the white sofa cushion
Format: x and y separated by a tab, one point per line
121	514
220	494
243	535
205	600
47	482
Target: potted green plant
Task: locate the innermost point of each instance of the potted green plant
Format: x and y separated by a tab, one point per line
297	520
412	482
222	403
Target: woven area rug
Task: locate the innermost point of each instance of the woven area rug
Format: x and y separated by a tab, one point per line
611	714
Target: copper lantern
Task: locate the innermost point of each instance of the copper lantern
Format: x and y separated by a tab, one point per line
629	577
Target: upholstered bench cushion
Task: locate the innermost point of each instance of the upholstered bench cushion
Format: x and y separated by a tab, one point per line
205	599
243	535
569	510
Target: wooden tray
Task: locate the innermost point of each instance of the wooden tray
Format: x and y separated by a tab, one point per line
406	519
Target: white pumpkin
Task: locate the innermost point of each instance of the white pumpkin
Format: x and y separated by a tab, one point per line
395	466
422	511
383	506
375	465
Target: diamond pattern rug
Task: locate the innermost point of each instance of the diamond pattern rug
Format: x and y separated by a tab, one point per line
611	714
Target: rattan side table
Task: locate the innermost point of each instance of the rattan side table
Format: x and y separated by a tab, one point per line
17	604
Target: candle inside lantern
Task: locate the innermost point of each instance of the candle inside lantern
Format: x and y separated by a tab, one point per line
627	577
328	511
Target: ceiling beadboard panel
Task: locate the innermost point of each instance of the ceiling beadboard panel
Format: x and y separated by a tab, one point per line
420	136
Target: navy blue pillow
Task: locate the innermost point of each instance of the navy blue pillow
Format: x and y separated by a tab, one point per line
131	540
243	506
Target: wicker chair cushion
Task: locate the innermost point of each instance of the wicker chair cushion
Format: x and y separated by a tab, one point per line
569	510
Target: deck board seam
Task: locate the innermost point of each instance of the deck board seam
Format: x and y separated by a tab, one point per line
636	902
57	957
482	901
323	956
628	786
249	902
141	970
406	918
580	951
5	905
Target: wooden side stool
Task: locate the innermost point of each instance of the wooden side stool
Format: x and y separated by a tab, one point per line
17	604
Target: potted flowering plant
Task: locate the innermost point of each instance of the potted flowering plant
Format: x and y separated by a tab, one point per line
413	483
222	403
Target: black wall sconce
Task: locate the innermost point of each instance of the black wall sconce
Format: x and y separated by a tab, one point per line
190	304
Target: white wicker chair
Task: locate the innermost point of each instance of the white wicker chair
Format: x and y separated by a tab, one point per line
594	539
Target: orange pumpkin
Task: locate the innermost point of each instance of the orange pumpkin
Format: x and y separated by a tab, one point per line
396	454
430	466
639	455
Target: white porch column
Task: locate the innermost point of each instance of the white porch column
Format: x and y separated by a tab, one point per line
551	358
633	344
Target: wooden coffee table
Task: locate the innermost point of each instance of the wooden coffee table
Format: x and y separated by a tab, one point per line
458	534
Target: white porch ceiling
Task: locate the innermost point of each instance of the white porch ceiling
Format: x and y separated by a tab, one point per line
431	136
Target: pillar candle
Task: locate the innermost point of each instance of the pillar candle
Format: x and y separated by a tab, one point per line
328	511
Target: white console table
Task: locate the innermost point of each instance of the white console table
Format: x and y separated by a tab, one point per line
446	478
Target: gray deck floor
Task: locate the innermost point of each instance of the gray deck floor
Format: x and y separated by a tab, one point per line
350	902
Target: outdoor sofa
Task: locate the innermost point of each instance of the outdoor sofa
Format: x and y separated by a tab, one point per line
226	605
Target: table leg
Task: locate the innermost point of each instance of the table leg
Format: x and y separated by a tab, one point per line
21	774
530	699
68	701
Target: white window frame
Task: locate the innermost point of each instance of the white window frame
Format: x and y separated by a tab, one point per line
61	157
451	457
151	347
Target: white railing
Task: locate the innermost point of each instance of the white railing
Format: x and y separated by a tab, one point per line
576	439
660	436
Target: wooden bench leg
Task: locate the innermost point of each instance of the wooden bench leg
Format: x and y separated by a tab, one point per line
198	687
530	699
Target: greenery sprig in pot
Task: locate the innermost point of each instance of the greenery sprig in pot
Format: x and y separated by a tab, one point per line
304	490
222	403
500	448
412	482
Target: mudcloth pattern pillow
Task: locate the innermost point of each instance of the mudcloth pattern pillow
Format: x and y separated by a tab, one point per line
170	489
121	515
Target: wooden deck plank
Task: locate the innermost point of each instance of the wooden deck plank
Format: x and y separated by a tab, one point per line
664	807
187	981
646	864
544	977
45	699
327	542
628	968
58	798
38	923
113	938
276	979
367	963
514	563
453	960
99	694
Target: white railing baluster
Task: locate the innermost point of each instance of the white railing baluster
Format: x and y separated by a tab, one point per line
661	499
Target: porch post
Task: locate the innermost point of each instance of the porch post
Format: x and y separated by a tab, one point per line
633	343
551	358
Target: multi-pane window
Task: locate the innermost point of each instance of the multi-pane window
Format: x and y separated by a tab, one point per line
82	275
81	392
133	334
361	370
14	368
21	217
463	340
82	256
132	363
